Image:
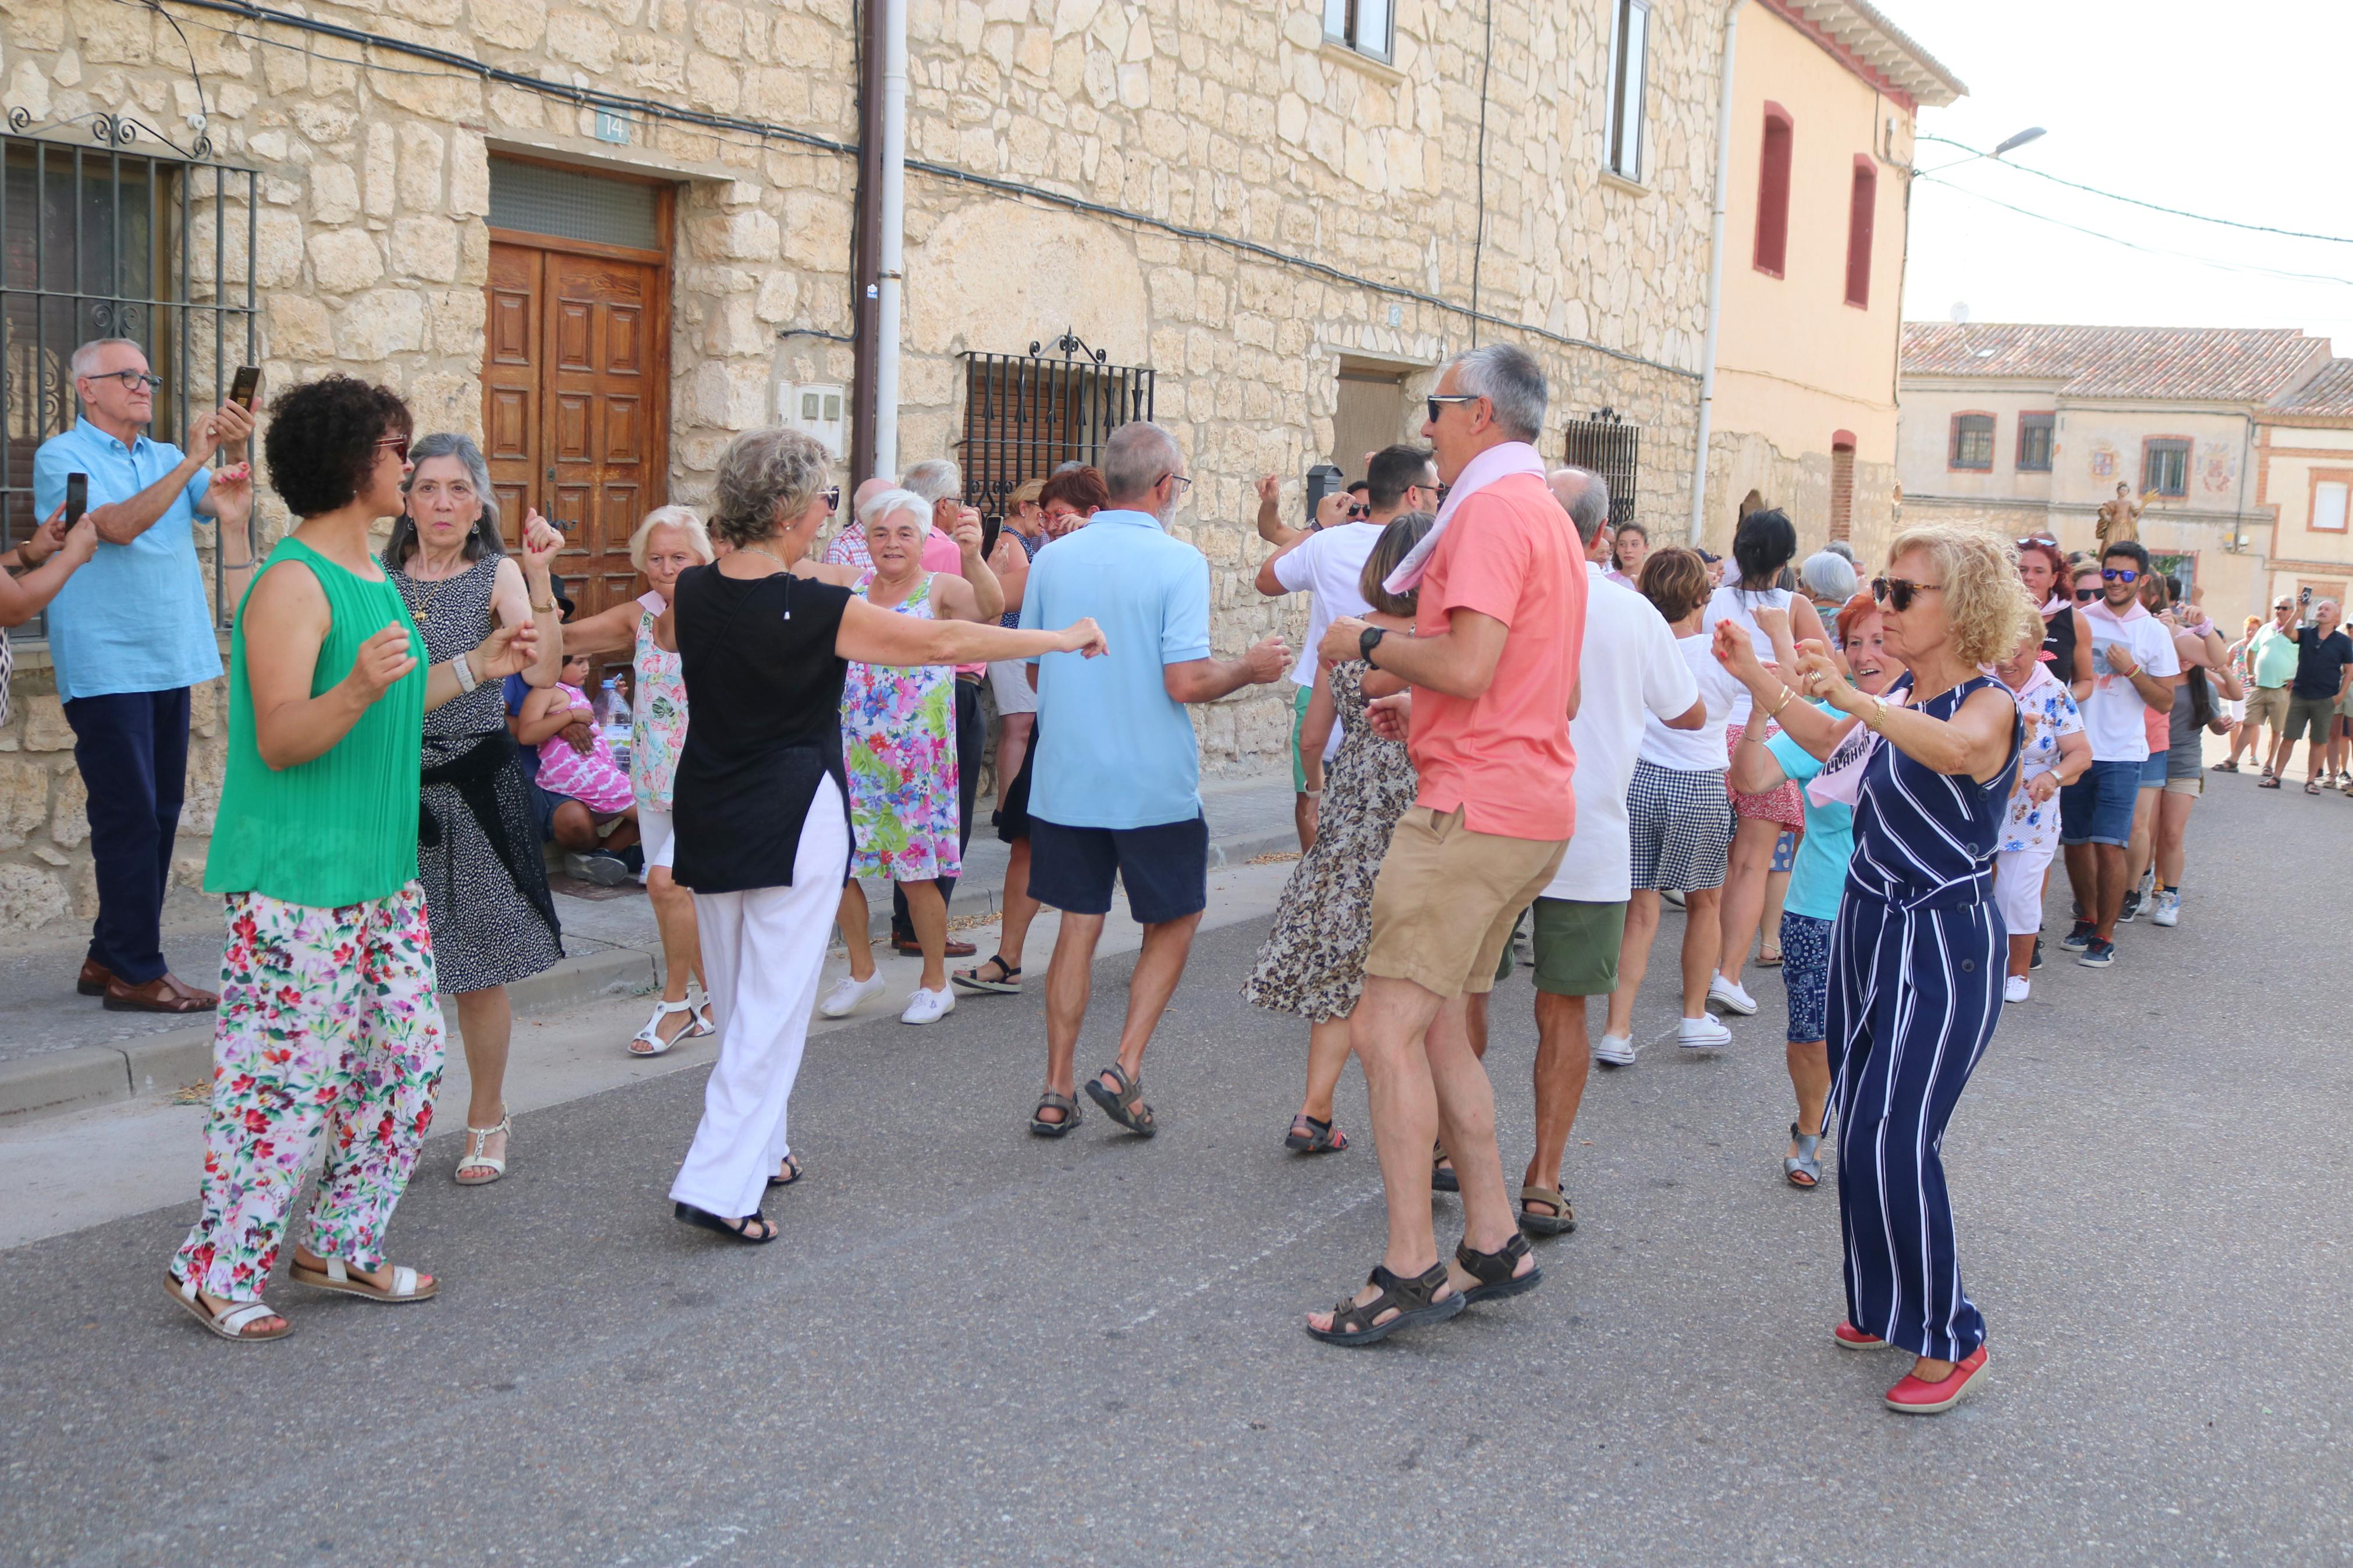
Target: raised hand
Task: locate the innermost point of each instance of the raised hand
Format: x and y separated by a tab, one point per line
1772	622
382	661
542	540
509	650
1333	509
967	532
1267	660
230	425
81	541
1819	676
1269	490
1083	638
1736	652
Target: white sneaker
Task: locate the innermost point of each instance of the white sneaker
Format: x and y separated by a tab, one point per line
928	1006
1702	1034
2014	989
1618	1050
848	995
2169	909
1730	996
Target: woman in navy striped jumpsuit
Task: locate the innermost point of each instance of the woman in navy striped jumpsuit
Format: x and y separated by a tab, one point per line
1918	951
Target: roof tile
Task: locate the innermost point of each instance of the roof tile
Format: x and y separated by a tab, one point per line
2227	365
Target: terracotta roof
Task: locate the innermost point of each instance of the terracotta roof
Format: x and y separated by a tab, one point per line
1858	28
2330	393
2218	365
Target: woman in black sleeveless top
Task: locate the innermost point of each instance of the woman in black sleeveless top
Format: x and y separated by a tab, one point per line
761	811
2067	636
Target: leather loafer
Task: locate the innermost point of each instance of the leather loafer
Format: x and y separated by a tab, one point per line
161	994
1851	1338
908	947
94	978
1912	1396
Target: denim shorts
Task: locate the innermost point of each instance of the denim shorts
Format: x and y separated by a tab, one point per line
1806	975
2098	807
2152	772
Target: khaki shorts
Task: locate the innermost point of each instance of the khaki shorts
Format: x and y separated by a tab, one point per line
2267	705
1447	899
2188	786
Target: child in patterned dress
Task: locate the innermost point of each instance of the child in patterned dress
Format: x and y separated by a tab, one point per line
2054	752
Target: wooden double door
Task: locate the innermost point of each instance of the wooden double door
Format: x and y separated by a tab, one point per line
576	397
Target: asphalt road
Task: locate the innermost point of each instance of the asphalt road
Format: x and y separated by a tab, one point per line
973	1346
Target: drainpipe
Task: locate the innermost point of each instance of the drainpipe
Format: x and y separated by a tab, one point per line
866	289
890	280
1714	279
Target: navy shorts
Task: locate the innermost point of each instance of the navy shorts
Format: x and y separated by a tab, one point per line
1166	868
2098	807
1806	975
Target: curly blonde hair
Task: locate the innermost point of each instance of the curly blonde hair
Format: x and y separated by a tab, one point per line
766	479
1987	610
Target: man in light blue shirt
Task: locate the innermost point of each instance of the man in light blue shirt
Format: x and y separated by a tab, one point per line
128	634
1115	785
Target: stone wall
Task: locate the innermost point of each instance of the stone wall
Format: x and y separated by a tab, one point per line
1359	183
1741	461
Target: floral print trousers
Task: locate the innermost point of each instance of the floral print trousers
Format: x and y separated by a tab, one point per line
327	1019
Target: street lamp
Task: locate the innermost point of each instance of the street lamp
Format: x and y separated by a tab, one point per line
2031	134
2010	144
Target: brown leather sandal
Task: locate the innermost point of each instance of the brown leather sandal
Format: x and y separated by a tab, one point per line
1123	1105
1495	1270
1416	1301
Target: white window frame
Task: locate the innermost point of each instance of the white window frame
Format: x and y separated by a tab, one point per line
1345	23
2343	499
1623	143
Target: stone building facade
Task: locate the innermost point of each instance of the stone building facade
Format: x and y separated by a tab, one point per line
1218	192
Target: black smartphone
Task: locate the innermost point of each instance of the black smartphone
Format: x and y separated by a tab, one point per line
247	382
76	498
990	527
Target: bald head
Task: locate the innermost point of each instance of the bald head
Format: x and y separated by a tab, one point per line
1585	495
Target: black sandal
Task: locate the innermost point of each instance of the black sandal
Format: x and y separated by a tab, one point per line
1309	1136
1049	1100
1006	983
740	1229
792	1163
1125	1105
1442	1178
1416	1301
1494	1270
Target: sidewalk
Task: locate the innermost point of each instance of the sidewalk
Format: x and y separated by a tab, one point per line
62	1052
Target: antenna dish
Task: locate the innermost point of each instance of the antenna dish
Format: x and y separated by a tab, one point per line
1959	312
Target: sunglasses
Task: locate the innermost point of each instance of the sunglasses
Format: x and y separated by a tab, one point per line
1359	508
1435	401
2085	595
2037	540
1897	592
399	445
2118	574
833	498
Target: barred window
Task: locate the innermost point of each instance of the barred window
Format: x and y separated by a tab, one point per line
1027	414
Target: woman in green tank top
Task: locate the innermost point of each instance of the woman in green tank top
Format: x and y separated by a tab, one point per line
327	1009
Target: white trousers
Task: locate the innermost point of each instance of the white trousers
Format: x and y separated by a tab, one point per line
763	951
2018	887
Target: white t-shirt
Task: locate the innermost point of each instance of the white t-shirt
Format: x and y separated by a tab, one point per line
1330	566
1700	750
1728	604
1631	671
2114	717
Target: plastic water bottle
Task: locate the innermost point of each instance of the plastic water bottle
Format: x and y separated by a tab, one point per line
616	710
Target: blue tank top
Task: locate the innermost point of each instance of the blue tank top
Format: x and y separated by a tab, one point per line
1924	840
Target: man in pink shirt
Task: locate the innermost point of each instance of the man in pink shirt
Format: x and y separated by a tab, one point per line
1498	627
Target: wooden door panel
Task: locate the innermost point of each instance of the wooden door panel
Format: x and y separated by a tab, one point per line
574	321
624	341
512	323
624	440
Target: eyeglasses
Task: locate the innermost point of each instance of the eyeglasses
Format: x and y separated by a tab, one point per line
132	380
1182	481
1897	592
399	445
2118	574
2085	595
1433	400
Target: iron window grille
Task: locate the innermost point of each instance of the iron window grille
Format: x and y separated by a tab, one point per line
2165	467
2034	436
1027	414
113	240
1609	446
1973	442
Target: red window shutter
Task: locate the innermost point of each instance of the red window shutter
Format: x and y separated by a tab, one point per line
1773	192
1863	211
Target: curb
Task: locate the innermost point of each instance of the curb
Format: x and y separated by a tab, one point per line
85	1076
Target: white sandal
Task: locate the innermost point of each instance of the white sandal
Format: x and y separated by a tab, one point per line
476	1140
230	1323
651	1037
337	1276
703	1027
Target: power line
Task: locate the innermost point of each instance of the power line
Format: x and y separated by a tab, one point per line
2135	201
2135	244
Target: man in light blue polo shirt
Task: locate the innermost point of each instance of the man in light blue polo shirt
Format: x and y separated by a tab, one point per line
128	634
1115	785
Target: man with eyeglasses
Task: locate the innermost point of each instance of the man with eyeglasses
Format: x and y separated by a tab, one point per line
2133	666
1325	564
128	633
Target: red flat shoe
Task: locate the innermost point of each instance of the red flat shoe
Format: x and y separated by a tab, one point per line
1851	1338
1913	1397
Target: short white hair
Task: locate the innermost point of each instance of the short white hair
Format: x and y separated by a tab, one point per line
883	504
87	355
934	479
1511	381
678	517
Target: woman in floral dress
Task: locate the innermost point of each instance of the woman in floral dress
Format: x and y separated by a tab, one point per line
1313	962
898	747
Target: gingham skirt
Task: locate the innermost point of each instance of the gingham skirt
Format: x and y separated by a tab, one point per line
1681	827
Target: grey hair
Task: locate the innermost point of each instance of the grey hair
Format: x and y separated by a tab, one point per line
934	479
1591	508
883	504
1138	455
1508	377
766	479
681	517
1828	576
486	539
79	366
1841	549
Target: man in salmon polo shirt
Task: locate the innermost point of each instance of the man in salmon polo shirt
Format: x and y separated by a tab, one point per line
1493	663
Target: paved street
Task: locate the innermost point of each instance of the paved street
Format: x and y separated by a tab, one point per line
973	1346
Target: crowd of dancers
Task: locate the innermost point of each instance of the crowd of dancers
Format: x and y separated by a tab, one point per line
1512	720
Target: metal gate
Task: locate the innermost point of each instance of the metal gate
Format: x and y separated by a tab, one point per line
1612	448
115	240
1027	414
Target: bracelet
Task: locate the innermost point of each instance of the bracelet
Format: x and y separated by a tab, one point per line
1775	711
465	674
1877	722
539	609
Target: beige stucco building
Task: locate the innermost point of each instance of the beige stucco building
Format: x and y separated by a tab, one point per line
608	237
1825	94
2026	428
2303	482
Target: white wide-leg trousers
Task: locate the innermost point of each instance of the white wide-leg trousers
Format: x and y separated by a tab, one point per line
763	953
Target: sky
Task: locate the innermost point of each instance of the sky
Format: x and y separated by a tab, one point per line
2236	111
